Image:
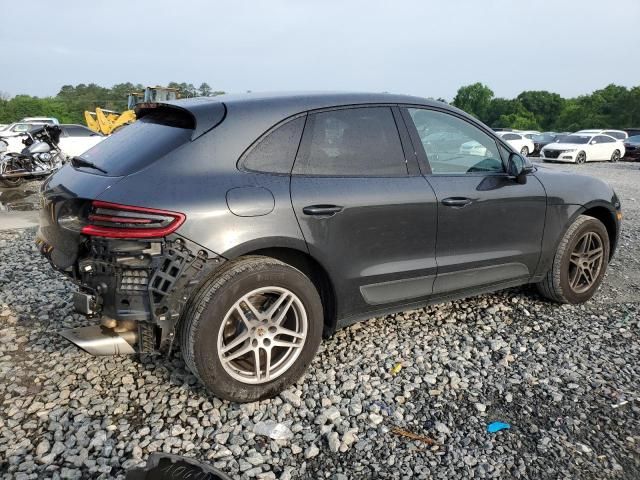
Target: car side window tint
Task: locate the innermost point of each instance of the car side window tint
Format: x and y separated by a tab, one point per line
357	142
276	151
601	139
455	146
606	139
617	135
511	136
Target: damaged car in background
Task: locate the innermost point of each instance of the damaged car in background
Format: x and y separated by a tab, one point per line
244	228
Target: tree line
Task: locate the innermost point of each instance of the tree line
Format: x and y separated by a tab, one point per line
69	104
611	107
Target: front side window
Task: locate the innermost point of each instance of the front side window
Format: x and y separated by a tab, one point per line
21	127
276	151
351	142
453	145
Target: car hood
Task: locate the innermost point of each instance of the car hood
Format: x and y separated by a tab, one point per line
570	188
564	146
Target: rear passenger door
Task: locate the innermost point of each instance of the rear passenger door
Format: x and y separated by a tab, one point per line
366	213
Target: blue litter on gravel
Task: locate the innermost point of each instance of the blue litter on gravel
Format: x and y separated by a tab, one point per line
494	427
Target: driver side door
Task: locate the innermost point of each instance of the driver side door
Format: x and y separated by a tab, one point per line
489	226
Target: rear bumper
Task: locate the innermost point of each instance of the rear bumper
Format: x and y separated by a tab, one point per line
143	281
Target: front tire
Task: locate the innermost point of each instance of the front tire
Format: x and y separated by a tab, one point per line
253	329
579	264
581	158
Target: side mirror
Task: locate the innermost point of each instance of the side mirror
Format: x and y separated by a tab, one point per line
593	142
519	168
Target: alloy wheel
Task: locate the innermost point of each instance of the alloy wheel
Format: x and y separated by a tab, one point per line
262	335
581	158
585	262
524	151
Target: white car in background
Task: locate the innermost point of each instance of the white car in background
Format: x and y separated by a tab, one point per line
518	141
583	147
74	139
617	134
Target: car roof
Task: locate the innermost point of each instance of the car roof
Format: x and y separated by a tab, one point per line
272	108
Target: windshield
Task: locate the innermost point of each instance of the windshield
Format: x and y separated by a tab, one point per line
573	139
137	145
545	137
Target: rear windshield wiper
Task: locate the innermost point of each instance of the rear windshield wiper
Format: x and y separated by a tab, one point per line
81	162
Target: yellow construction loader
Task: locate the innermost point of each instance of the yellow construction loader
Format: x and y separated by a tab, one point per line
108	121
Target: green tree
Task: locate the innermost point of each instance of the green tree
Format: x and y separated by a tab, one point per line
545	106
204	90
474	99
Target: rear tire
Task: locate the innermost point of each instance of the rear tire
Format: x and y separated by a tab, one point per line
615	156
524	151
584	246
230	314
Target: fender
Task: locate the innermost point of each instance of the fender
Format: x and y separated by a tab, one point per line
559	218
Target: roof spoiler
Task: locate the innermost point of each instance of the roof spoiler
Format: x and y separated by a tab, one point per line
198	114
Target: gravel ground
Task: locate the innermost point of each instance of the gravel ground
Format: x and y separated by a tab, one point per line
566	378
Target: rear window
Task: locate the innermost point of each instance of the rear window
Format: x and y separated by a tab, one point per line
135	146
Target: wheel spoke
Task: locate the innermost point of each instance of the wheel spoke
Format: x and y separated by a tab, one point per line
256	353
252	308
573	282
267	365
594	254
273	308
243	316
238	353
283	312
237	341
290	333
286	344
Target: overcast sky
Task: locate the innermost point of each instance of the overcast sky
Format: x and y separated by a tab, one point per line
426	48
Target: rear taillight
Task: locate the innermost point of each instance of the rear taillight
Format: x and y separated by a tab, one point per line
112	220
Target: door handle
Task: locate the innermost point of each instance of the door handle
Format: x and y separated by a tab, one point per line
456	202
322	210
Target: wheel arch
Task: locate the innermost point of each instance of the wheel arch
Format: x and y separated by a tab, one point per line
607	216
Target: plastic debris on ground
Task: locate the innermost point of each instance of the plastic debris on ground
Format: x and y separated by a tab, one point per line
396	369
494	427
273	430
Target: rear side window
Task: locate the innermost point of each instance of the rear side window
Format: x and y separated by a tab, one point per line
351	142
276	151
135	146
511	136
614	134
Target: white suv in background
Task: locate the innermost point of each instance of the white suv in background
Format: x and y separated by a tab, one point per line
617	134
518	141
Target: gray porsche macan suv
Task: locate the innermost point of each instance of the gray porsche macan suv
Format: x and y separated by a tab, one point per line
246	227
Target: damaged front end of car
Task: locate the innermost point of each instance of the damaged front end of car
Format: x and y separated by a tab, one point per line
135	274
